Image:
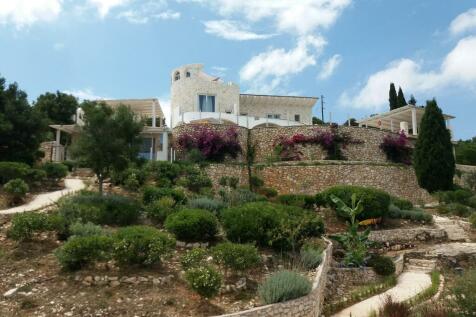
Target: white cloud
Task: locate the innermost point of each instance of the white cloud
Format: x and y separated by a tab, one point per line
84	94
457	69
232	30
168	15
219	71
105	6
23	13
267	71
144	12
330	66
464	22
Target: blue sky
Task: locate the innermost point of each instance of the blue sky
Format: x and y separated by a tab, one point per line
347	50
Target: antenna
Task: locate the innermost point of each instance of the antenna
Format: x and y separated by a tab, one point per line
322	108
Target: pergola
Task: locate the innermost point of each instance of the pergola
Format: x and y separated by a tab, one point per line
406	118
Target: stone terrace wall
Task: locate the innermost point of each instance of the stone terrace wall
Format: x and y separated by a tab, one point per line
368	150
297	178
188	128
217	171
309	305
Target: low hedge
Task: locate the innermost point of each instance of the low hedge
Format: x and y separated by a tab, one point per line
192	225
13	170
152	193
298	200
401	203
236	256
374	201
283	286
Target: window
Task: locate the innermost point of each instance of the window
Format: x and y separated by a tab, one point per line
243	113
187	74
177	76
297	117
273	116
206	103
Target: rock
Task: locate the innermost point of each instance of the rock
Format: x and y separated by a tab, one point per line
10	292
88	279
131	280
180	244
142	279
114	283
156	281
113	278
241	284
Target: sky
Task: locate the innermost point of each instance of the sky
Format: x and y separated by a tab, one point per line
347	50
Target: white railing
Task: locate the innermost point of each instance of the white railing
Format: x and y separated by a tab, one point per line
242	121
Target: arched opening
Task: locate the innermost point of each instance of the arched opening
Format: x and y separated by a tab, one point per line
176	76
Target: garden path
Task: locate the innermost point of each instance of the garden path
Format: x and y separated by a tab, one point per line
44	200
452	227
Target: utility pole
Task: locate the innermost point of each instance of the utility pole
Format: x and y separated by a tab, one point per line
322	108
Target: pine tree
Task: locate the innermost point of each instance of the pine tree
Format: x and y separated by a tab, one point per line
401	102
433	157
412	101
392	97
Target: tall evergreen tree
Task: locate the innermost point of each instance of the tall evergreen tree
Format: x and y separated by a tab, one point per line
433	156
412	101
401	102
21	127
392	97
58	107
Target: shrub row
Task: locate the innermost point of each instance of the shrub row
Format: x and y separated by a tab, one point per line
414	214
16	170
192	225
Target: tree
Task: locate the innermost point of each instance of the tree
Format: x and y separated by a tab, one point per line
433	157
316	120
21	127
353	122
466	152
412	101
401	102
109	141
59	108
392	97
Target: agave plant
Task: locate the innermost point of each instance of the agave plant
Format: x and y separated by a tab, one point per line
355	243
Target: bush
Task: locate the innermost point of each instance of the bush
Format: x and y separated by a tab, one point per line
71	165
414	215
141	245
401	203
160	209
270	224
163	170
193	258
464	294
79	229
78	252
472	202
55	171
382	265
132	178
235	256
229	181
461	196
25	224
206	204
195	181
204	280
302	201
35	176
472	219
310	257
268	192
239	197
102	210
152	193
256	182
16	189
13	170
374	201
192	225
392	308
283	286
455	209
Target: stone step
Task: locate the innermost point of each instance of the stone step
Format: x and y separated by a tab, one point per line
423	263
417	268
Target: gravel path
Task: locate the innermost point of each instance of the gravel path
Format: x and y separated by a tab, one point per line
43	200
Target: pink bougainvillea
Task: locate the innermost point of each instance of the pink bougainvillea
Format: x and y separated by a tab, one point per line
332	141
397	148
213	145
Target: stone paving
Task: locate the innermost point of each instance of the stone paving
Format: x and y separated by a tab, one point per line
44	200
452	227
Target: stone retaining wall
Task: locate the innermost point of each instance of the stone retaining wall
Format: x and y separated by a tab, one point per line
309	305
398	236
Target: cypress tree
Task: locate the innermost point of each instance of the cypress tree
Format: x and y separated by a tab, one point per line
433	157
401	102
412	101
392	97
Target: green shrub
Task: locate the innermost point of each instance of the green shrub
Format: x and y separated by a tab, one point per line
204	280
78	252
55	171
206	203
401	203
268	192
472	202
256	182
102	210
298	200
283	286
160	209
235	256
25	224
455	209
310	257
460	196
141	245
382	265
464	295
35	176
192	225
195	181
13	170
374	201
270	224
16	190
414	215
71	165
319	200
152	193
132	178
472	219
79	229
229	181
239	197
163	170
193	258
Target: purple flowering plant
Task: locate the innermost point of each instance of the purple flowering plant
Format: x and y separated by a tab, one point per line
397	148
